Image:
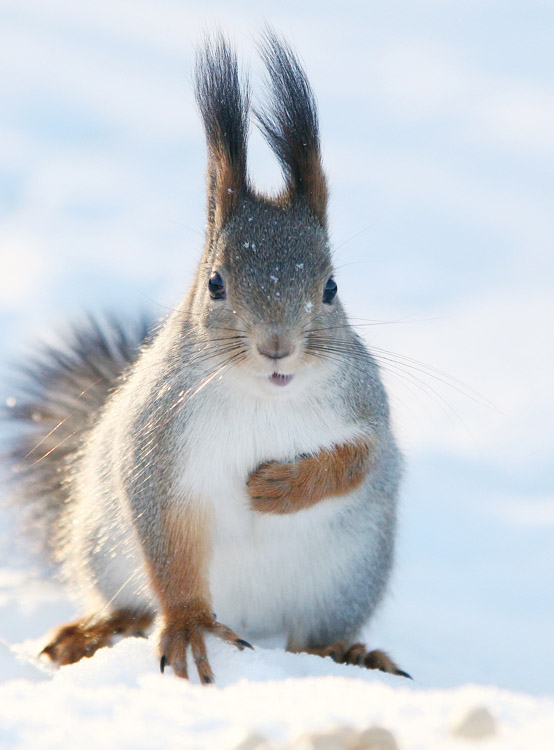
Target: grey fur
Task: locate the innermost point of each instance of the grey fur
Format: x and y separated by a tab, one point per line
106	475
60	391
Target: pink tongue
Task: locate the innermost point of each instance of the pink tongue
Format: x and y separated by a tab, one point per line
280	379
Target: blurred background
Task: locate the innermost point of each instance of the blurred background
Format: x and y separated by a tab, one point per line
437	123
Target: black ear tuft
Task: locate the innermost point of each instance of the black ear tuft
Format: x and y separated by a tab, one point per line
290	125
223	99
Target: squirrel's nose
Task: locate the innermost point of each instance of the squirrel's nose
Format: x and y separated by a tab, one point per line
275	347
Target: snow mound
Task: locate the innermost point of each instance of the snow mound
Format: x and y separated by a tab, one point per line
263	699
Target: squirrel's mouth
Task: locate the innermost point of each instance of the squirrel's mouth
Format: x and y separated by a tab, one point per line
279	379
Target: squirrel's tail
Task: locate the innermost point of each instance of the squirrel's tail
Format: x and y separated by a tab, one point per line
58	394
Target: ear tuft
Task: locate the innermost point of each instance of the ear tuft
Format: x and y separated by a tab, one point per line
290	125
223	99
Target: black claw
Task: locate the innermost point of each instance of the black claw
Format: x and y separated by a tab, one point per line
359	660
162	664
401	673
206	679
243	644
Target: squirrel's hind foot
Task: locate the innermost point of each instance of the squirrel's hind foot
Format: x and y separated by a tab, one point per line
85	636
357	654
185	628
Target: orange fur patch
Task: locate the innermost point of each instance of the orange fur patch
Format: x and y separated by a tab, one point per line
289	487
228	189
357	653
179	572
315	187
179	578
85	636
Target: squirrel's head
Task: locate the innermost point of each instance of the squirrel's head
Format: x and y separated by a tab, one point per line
265	293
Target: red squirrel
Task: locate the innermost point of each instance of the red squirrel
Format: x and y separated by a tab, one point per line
238	458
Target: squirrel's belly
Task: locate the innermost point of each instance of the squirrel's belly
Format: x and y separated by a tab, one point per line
281	570
266	570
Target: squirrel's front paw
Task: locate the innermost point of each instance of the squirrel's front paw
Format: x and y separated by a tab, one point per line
187	626
276	487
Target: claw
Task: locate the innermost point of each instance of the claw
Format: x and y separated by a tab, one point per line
206	679
162	664
401	673
242	644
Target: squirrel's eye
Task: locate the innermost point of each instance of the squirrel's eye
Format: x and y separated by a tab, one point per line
216	286
330	291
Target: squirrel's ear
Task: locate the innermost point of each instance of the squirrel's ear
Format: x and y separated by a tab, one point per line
223	100
290	125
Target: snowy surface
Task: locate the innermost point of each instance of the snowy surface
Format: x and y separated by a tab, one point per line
119	700
437	122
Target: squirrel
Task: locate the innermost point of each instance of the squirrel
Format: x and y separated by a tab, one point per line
238	457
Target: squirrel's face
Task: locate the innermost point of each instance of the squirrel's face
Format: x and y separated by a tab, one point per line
265	290
269	295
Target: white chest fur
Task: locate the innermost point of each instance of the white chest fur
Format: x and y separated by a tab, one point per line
265	570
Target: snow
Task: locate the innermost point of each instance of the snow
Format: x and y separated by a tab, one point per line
436	126
119	699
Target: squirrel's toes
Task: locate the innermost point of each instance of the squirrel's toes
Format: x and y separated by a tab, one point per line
82	638
188	629
357	654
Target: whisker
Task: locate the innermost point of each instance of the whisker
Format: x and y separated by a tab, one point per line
205	354
338	349
351	347
358	234
204	384
408	377
425	388
438	375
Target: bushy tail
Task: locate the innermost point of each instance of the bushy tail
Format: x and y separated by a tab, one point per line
56	397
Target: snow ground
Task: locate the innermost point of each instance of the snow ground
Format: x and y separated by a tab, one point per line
118	699
437	123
